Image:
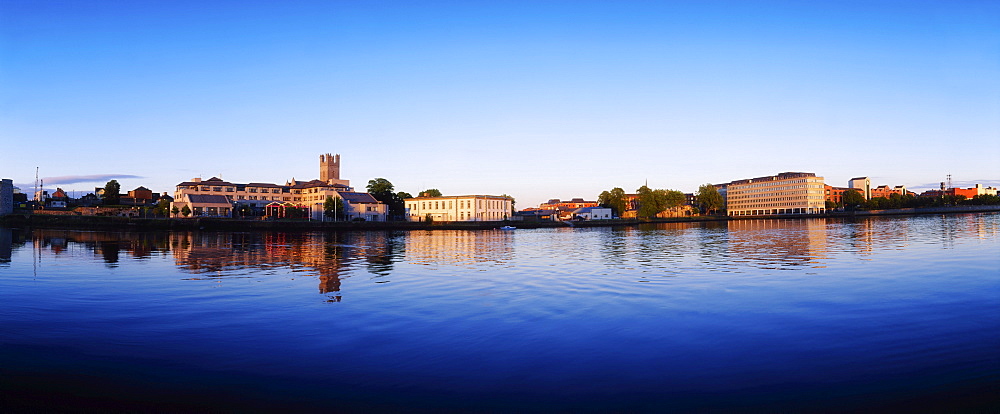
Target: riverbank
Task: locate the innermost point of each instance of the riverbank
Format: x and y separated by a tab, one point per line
226	224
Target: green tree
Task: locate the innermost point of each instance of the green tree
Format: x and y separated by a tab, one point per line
673	198
162	207
403	195
382	190
852	199
651	203
174	210
186	211
111	192
877	203
895	201
709	199
431	192
614	199
333	208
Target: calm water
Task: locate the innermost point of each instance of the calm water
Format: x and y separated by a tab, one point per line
769	315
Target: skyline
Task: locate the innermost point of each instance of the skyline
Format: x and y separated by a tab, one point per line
539	101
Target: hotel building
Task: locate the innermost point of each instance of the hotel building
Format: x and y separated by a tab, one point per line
264	198
459	208
785	193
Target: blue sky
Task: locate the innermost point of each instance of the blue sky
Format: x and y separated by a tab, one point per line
536	99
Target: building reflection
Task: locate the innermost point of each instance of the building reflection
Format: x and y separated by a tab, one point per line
328	256
104	244
6	245
459	247
778	244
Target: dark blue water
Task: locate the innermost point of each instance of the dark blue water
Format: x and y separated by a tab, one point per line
799	315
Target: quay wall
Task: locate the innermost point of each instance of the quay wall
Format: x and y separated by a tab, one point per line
18	220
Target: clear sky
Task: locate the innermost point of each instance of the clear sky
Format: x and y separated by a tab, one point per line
536	99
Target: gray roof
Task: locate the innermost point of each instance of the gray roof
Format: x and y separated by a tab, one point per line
358	197
588	209
208	199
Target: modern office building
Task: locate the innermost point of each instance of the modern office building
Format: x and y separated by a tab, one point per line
459	208
785	193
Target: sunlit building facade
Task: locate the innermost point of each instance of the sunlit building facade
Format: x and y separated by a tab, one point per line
785	193
459	208
258	198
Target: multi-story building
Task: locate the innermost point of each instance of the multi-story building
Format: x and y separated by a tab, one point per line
885	191
263	198
785	193
862	185
459	208
834	194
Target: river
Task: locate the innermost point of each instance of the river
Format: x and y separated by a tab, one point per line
790	315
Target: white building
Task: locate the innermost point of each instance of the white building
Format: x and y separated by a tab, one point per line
459	208
592	213
863	185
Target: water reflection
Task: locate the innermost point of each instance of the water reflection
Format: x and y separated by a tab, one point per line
6	245
324	255
650	251
459	247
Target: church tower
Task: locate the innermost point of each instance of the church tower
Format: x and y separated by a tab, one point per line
329	167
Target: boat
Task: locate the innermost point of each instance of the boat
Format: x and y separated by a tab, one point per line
507	228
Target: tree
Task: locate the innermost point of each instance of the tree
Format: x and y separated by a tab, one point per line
652	202
162	207
111	192
186	211
432	192
614	199
382	190
709	199
673	198
852	199
512	203
403	195
174	210
379	186
333	208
